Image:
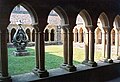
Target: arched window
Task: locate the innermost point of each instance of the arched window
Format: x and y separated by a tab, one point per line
81	38
33	35
113	37
12	33
46	35
52	35
28	33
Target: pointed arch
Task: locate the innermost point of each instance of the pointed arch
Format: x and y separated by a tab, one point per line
86	17
116	22
30	9
81	37
98	35
112	37
104	19
62	14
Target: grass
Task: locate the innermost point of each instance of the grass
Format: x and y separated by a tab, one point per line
53	59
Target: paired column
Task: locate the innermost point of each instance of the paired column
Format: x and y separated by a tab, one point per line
4	76
65	46
103	43
40	54
109	60
70	66
36	48
117	43
86	42
68	49
91	47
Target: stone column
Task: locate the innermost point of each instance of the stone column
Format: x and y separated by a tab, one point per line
36	48
4	76
9	37
103	44
91	47
108	60
70	66
41	72
30	36
65	45
76	37
86	42
49	34
80	37
117	43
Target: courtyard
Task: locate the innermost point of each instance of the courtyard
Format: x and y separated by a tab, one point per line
53	57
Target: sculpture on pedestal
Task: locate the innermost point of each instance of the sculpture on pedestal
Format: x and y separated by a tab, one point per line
20	41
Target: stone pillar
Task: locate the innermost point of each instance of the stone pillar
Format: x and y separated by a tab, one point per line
103	44
80	37
4	76
75	36
49	34
9	37
96	38
86	42
30	36
117	43
108	60
41	72
91	47
40	54
65	46
70	67
36	48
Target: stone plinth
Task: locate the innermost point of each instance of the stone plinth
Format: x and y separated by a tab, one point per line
21	53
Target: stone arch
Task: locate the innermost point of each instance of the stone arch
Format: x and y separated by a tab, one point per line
81	35
31	11
62	14
98	36
12	33
52	35
104	20
112	37
46	35
86	17
28	33
116	22
75	34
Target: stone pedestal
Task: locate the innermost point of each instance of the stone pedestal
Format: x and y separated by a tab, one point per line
21	53
5	79
40	73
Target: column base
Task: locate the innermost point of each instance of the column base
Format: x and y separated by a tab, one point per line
69	68
5	79
90	63
108	61
40	73
85	61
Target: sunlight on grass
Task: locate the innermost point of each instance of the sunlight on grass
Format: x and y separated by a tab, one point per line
53	59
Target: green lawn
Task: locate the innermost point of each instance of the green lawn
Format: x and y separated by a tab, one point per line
54	58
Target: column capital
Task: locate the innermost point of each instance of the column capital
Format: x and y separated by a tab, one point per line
90	28
36	26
